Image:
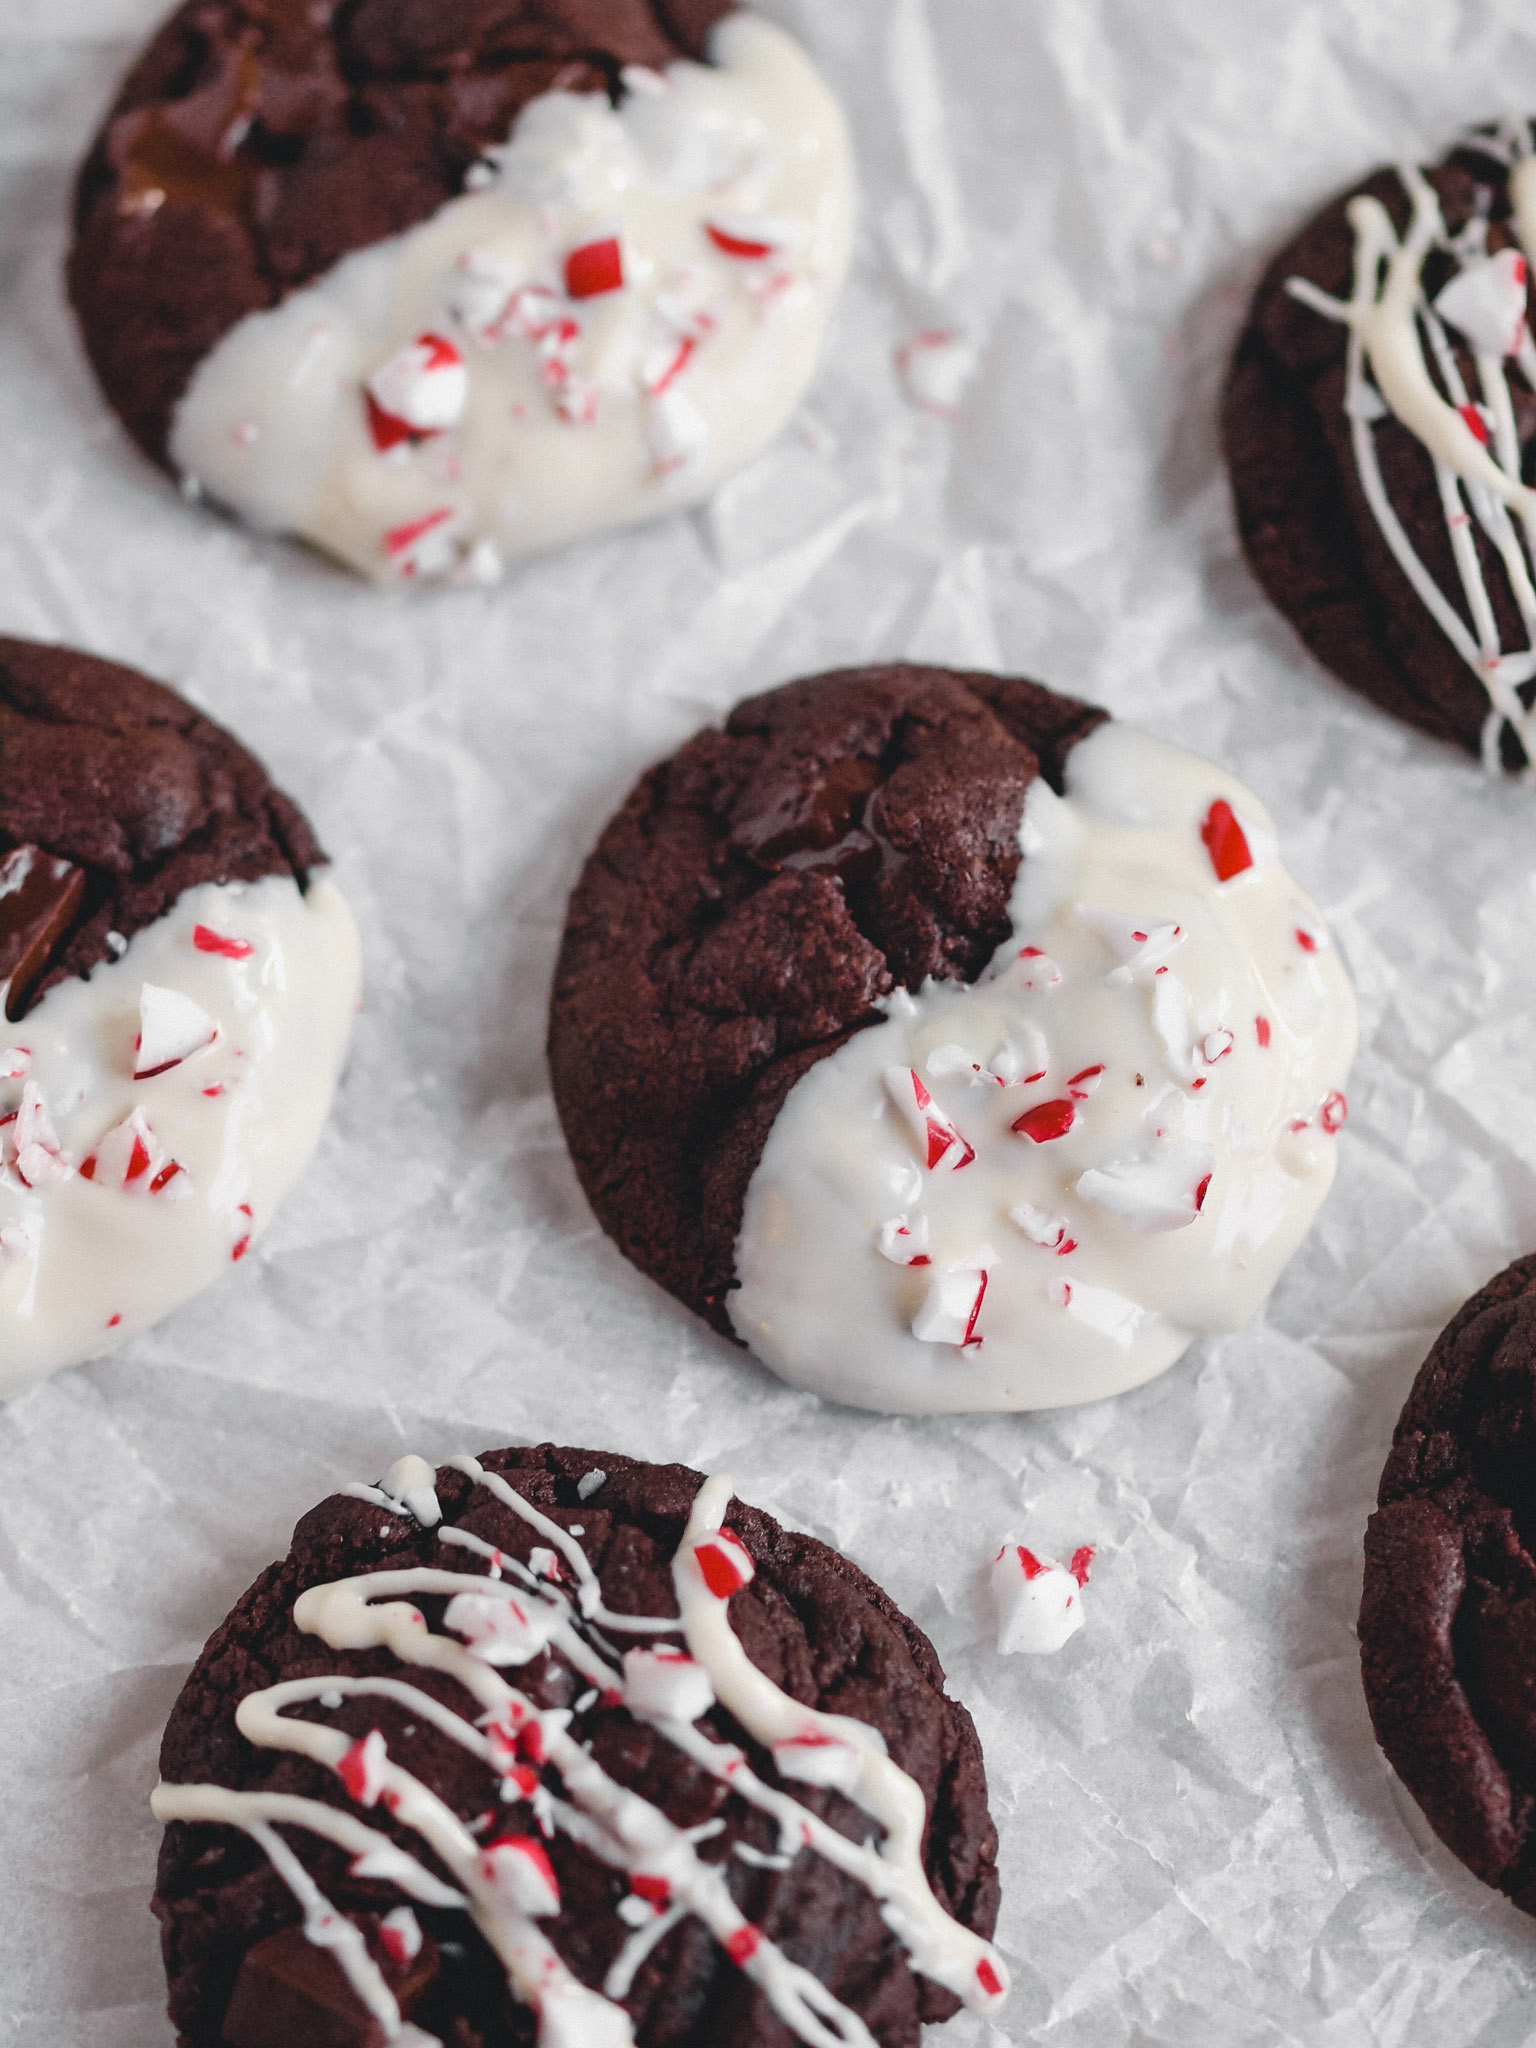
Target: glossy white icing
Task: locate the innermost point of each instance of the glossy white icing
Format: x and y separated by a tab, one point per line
506	1883
124	1193
1401	362
1048	1234
626	309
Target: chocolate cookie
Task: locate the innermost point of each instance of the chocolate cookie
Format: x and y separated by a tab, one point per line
557	1745
320	277
152	883
1448	1618
823	1049
1378	423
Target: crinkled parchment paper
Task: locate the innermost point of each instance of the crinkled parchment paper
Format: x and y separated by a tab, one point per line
1201	1844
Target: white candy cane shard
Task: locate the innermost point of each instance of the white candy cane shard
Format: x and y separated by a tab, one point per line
423	385
480	288
1030	968
1039	1602
1487	303
1100	1308
14	1062
1042	1228
171	1028
1139	943
817	1759
951	1308
1172	1021
1163	1189
518	1869
37	1157
1023	1057
677	433
666	1684
935	367
940	1146
954	1059
904	1241
504	1629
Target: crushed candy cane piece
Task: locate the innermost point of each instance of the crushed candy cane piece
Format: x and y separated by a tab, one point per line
935	366
677	433
813	1758
479	291
1080	1563
364	1768
940	1145
1225	841
1031	968
667	1683
1046	1121
1162	1189
424	546
1216	1045
595	268
904	1243
501	1629
207	940
1261	1032
518	1868
1023	1057
724	1563
952	1305
750	237
589	1483
420	390
1486	301
1138	942
14	1062
1334	1113
171	1028
1043	1229
664	364
400	1935
1039	1602
38	1157
1100	1308
1081	1085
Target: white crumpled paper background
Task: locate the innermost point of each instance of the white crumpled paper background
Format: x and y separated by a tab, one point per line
1201	1845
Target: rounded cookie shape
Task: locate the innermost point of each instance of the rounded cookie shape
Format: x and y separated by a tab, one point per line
1378	422
1448	1615
178	992
947	1044
436	285
555	1745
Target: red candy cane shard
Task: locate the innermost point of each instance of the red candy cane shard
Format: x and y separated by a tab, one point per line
1261	1032
1334	1113
1082	1085
988	1979
743	1945
400	1935
595	268
207	940
1082	1563
749	237
1046	1121
518	1867
1031	1565
1476	425
362	1769
1225	841
654	1890
941	1145
1307	941
724	1563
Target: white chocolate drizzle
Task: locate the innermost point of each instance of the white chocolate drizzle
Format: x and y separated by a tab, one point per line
1471	440
517	1741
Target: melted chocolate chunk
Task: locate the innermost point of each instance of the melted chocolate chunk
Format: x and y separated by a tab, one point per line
292	1992
39	899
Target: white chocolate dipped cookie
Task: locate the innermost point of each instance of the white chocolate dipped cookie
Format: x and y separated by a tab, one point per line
179	991
976	1053
596	1744
585	316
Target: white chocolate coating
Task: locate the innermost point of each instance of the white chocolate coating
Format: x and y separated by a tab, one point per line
568	413
1126	1008
89	1253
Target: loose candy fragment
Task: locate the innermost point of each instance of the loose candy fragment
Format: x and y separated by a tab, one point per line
1486	301
503	1630
424	546
1046	1121
725	1564
1023	1057
1334	1113
751	237
400	1935
1225	841
817	1759
364	1767
1138	943
940	1146
479	290
171	1028
1043	1229
419	391
905	1243
14	1062
37	1158
1039	1602
667	1683
595	269
1031	968
207	940
518	1869
1162	1189
951	1308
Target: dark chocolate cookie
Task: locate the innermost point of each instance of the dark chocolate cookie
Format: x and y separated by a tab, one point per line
745	911
117	796
481	1795
1378	423
1448	1620
256	142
